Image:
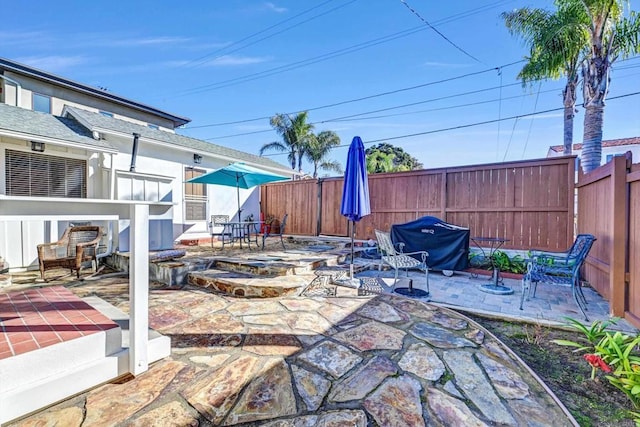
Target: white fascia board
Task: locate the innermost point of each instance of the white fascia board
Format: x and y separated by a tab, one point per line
191	150
56	141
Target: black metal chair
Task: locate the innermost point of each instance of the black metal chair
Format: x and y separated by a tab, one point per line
270	233
559	268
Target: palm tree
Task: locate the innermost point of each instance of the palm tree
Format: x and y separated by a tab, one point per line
555	50
611	36
318	148
294	131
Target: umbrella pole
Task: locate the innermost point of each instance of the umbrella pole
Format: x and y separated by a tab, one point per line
238	194
353	234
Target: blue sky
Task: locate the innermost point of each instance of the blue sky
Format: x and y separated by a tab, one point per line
228	61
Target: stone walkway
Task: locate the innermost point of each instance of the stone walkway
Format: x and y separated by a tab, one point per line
346	360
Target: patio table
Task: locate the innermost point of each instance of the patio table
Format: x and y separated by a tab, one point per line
240	231
494	243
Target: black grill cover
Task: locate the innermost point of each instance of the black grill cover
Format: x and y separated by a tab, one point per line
447	244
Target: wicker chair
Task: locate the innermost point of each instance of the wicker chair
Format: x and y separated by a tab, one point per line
76	246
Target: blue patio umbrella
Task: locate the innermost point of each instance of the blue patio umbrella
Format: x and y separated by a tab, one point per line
238	175
355	192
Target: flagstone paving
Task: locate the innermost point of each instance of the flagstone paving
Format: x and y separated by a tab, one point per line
347	360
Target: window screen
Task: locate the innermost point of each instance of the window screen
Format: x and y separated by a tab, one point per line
41	175
195	196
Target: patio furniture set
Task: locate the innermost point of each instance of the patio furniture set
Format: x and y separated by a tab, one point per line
79	245
246	231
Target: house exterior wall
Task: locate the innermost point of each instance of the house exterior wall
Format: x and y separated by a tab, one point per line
617	150
61	96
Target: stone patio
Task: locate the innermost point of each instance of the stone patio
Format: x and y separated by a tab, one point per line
348	359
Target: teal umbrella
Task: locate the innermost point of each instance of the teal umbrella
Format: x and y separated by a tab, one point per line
238	175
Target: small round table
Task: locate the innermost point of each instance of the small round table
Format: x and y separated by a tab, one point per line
493	243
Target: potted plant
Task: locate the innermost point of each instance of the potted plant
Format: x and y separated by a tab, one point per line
272	224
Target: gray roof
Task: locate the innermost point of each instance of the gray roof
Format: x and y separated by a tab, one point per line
34	124
100	122
19	68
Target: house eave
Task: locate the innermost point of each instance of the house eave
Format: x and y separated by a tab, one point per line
56	141
91	91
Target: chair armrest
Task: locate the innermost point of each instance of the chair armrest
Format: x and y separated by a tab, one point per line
50	250
423	254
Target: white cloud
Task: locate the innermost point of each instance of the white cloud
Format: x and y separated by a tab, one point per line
232	60
147	41
53	63
273	7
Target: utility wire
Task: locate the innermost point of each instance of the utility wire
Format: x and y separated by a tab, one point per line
349	118
335	104
237	42
535	107
330	55
280	32
468	125
299	64
438	32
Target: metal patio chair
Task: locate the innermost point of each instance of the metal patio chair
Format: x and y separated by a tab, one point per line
397	259
268	233
559	268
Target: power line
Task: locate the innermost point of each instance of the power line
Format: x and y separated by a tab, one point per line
253	35
470	104
468	125
438	32
299	64
335	104
378	95
281	31
330	55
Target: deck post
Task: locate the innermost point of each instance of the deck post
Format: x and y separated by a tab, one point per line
139	289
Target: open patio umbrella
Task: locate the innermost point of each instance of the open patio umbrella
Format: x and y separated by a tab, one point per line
238	175
355	192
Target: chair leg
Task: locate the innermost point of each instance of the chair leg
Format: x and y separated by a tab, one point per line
282	241
526	288
426	276
578	298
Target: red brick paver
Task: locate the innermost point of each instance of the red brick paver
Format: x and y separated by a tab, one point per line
38	318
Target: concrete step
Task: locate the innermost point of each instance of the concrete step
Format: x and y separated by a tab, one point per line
38	378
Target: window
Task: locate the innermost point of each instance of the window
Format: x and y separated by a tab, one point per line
152	126
41	175
195	196
42	103
106	113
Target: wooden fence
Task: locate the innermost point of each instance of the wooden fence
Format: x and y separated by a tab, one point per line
609	208
531	203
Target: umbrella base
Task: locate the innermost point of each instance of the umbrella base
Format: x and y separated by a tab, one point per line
410	292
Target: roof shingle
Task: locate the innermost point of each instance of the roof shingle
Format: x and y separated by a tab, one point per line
36	124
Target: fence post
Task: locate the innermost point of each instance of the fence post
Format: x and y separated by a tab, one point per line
617	284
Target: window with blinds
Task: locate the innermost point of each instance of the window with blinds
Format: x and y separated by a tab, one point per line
41	175
195	196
